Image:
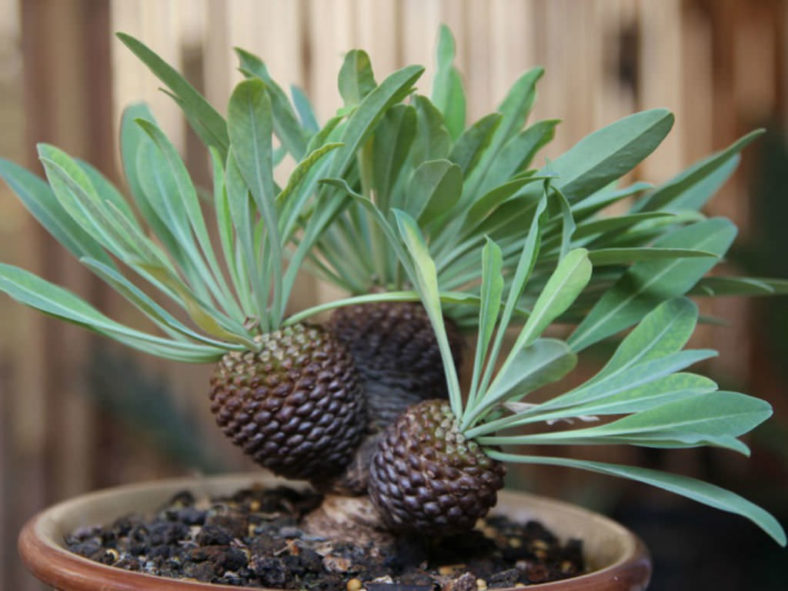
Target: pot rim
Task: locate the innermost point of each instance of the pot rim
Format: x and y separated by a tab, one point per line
49	561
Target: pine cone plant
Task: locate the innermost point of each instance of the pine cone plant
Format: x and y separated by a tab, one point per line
463	183
287	392
437	468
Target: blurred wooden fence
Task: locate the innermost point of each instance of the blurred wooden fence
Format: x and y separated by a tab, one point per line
720	65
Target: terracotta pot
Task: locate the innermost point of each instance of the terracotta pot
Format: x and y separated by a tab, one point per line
617	559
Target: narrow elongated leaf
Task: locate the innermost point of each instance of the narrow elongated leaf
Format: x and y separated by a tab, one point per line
364	119
291	200
620	256
105	189
604	197
525	265
664	330
646	284
471	145
250	125
356	79
305	111
632	377
682	192
74	191
611	152
615	223
491	290
514	109
393	138
671	387
432	138
427	279
697	490
286	126
695	420
434	189
133	140
542	362
182	197
240	207
518	152
40	201
51	299
447	92
211	128
733	286
565	284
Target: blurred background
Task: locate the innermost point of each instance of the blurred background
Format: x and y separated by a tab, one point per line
79	413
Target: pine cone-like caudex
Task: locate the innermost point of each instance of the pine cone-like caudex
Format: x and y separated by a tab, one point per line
394	348
426	478
296	406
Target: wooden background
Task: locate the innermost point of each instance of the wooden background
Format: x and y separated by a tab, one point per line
720	65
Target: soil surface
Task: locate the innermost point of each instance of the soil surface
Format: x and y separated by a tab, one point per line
253	539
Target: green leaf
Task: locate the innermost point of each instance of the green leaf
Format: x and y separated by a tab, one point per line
646	284
240	207
542	362
74	191
525	265
40	201
656	393
491	290
565	284
305	111
627	379
616	223
664	330
734	286
692	419
605	197
367	115
433	190
181	197
426	278
291	200
105	189
447	92
471	145
356	79
286	126
206	121
514	110
692	188
620	256
392	142
517	153
250	125
132	140
432	138
609	153
46	297
697	490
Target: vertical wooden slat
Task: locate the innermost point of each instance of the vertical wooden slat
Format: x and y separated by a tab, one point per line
512	45
157	25
660	61
11	216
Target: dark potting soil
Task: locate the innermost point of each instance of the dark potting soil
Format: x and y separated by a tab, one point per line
252	539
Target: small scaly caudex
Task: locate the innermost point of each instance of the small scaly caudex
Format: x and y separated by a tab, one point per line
391	194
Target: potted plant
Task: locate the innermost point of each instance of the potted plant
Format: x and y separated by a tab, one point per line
434	228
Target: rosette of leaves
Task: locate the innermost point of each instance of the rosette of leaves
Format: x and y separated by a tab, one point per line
287	392
437	468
